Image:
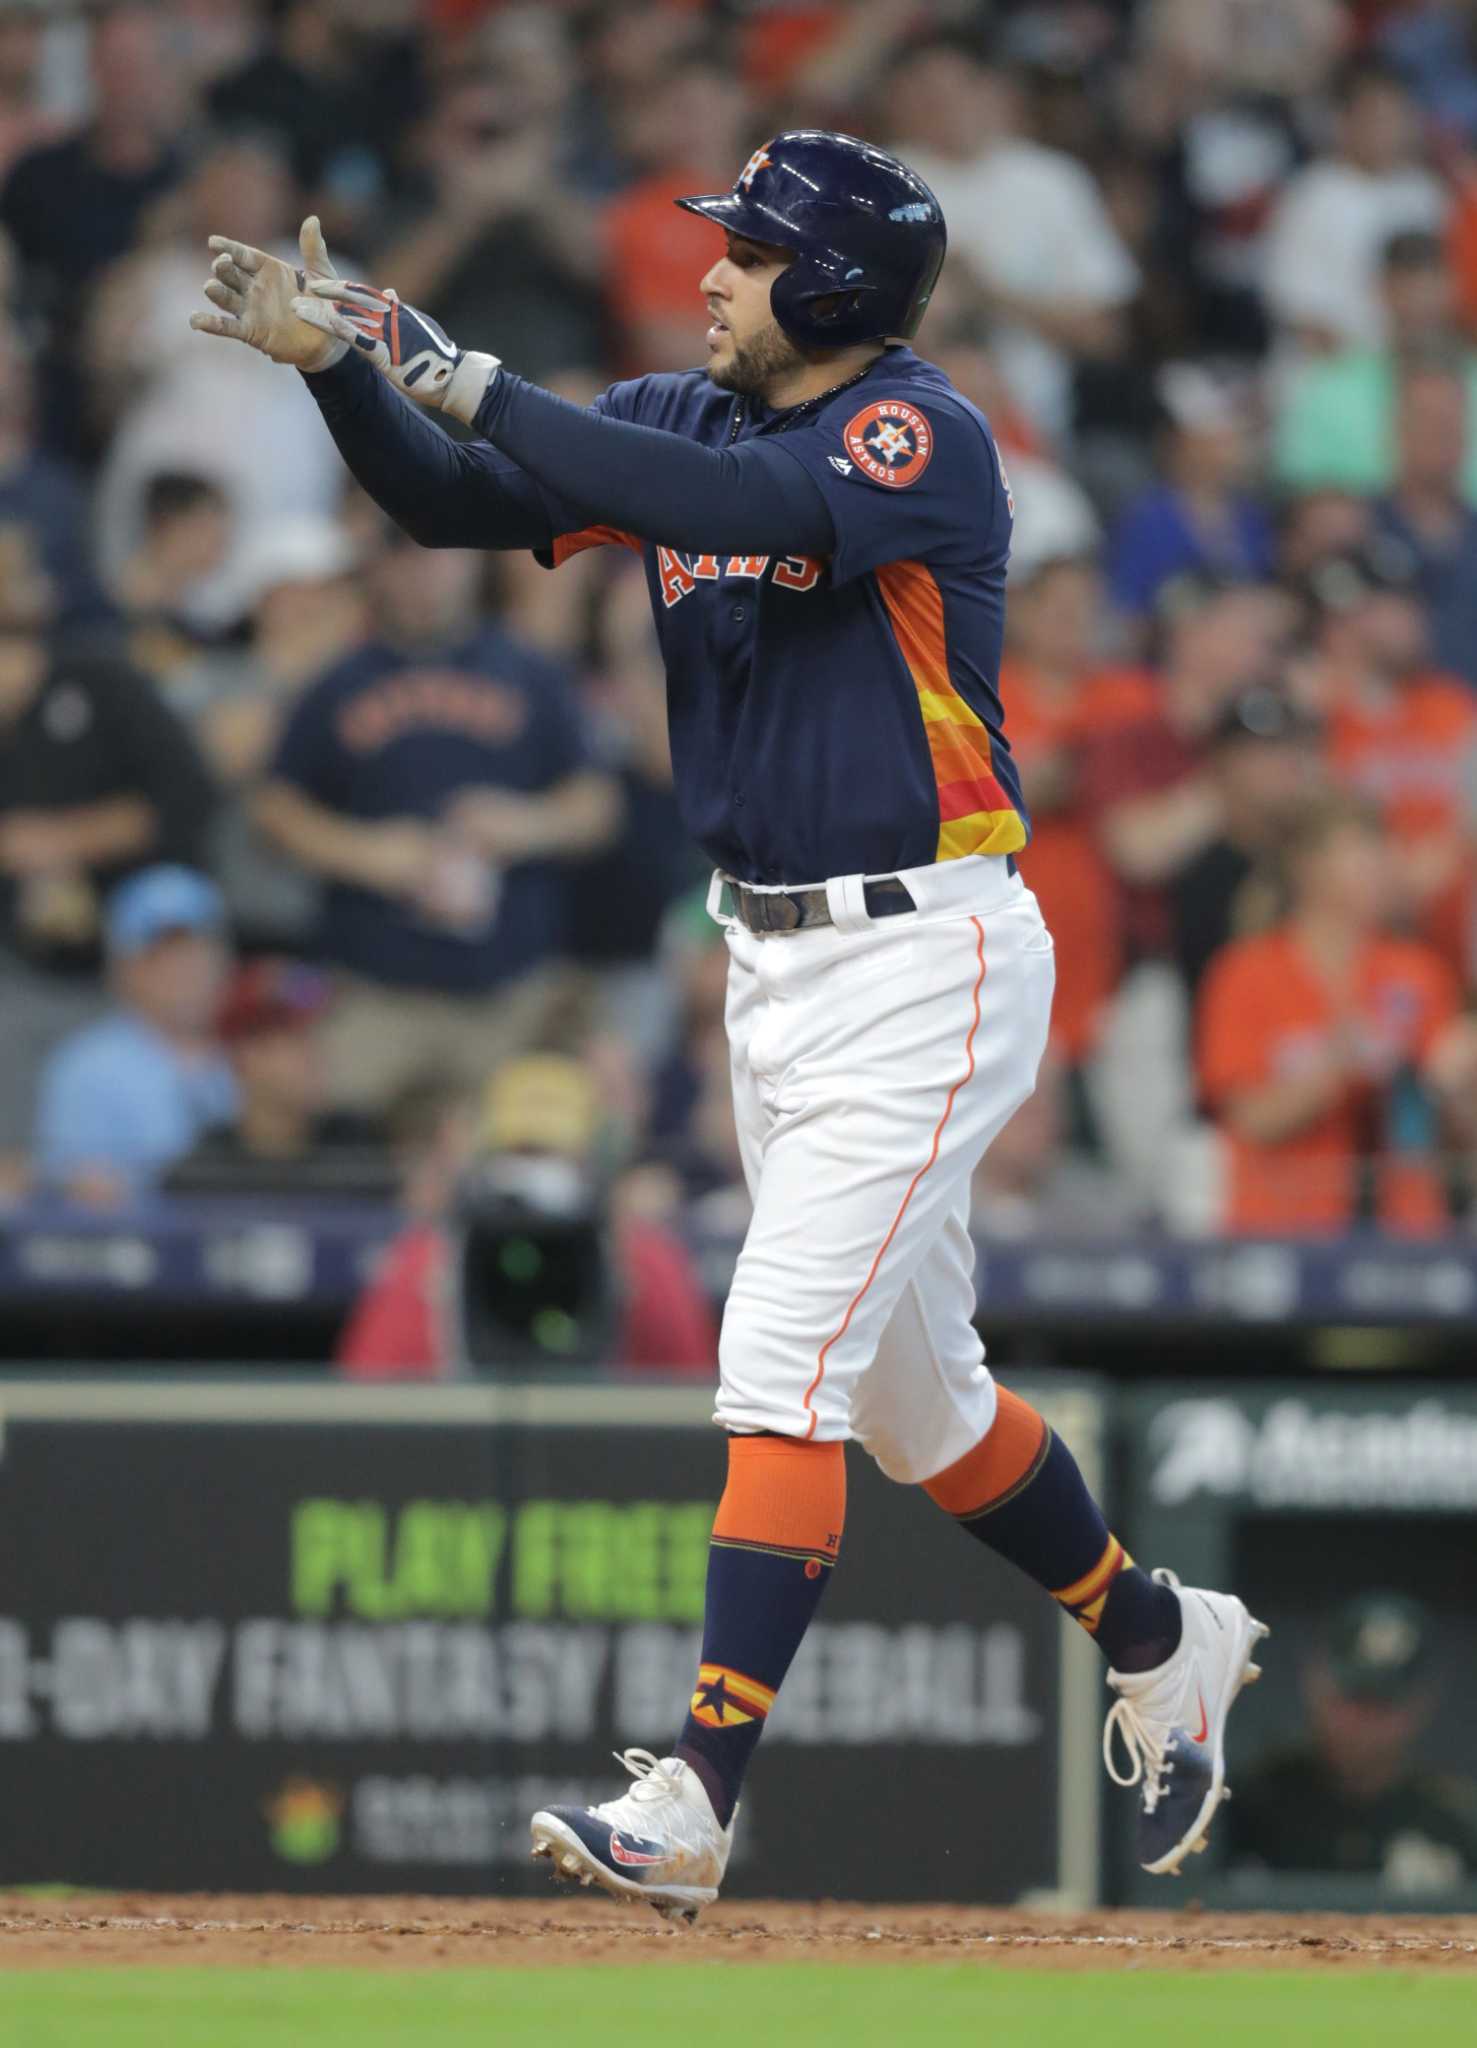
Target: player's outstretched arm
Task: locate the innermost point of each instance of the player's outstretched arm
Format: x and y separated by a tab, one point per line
660	486
442	493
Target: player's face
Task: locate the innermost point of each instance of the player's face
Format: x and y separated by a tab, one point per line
747	348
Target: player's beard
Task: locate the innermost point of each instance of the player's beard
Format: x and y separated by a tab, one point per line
755	364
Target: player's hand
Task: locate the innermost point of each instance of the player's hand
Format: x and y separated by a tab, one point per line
407	346
257	298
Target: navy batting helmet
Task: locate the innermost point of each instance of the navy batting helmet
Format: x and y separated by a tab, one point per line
867	233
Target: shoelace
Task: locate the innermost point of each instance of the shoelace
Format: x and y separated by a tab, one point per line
1144	1743
652	1782
1143	1738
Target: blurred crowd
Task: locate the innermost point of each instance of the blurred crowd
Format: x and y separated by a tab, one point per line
310	838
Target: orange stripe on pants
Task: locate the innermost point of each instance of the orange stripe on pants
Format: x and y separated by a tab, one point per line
861	1293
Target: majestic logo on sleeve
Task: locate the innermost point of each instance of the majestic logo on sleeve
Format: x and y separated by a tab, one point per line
890	442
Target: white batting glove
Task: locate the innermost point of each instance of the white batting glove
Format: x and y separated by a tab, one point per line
404	344
257	296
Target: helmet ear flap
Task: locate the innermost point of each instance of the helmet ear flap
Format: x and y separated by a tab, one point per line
835	307
818	310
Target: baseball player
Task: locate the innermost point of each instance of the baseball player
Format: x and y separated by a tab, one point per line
824	523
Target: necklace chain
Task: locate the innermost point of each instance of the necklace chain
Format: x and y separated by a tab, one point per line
806	405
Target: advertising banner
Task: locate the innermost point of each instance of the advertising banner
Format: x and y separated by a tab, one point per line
1344	1516
331	1640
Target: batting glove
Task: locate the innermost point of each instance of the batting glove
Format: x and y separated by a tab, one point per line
406	345
259	298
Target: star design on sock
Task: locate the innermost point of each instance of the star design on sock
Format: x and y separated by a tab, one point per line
712	1704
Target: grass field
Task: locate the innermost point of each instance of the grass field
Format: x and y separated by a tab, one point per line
714	2005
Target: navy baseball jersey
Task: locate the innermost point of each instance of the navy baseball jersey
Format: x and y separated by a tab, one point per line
841	716
387	734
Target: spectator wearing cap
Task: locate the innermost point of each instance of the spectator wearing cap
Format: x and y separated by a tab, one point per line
1202	519
124	1098
284	1138
538	1138
1321	259
1027	224
437	778
1425	510
1063	696
1356	1794
1335	429
1264	764
1331	1054
1402	735
97	778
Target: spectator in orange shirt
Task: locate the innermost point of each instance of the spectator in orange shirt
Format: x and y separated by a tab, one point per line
1401	735
688	128
1331	1054
1057	699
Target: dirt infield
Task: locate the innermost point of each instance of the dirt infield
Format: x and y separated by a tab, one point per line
44	1933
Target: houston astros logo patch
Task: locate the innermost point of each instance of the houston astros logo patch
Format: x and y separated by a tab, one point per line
890	442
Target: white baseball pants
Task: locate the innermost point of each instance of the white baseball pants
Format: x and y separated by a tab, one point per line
873	1062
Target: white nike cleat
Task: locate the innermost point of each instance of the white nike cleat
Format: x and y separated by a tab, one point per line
660	1841
1172	1725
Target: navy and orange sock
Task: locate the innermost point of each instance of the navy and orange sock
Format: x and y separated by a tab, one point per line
776	1537
1021	1493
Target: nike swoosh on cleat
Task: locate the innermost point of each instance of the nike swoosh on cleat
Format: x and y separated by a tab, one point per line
1204	1728
622	1854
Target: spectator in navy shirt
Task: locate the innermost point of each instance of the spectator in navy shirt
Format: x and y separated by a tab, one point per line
1427	512
1201	520
124	1098
436	778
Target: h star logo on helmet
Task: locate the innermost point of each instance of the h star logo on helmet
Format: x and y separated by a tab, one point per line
890	442
754	166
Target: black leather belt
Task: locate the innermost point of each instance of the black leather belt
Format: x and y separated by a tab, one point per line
767	911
